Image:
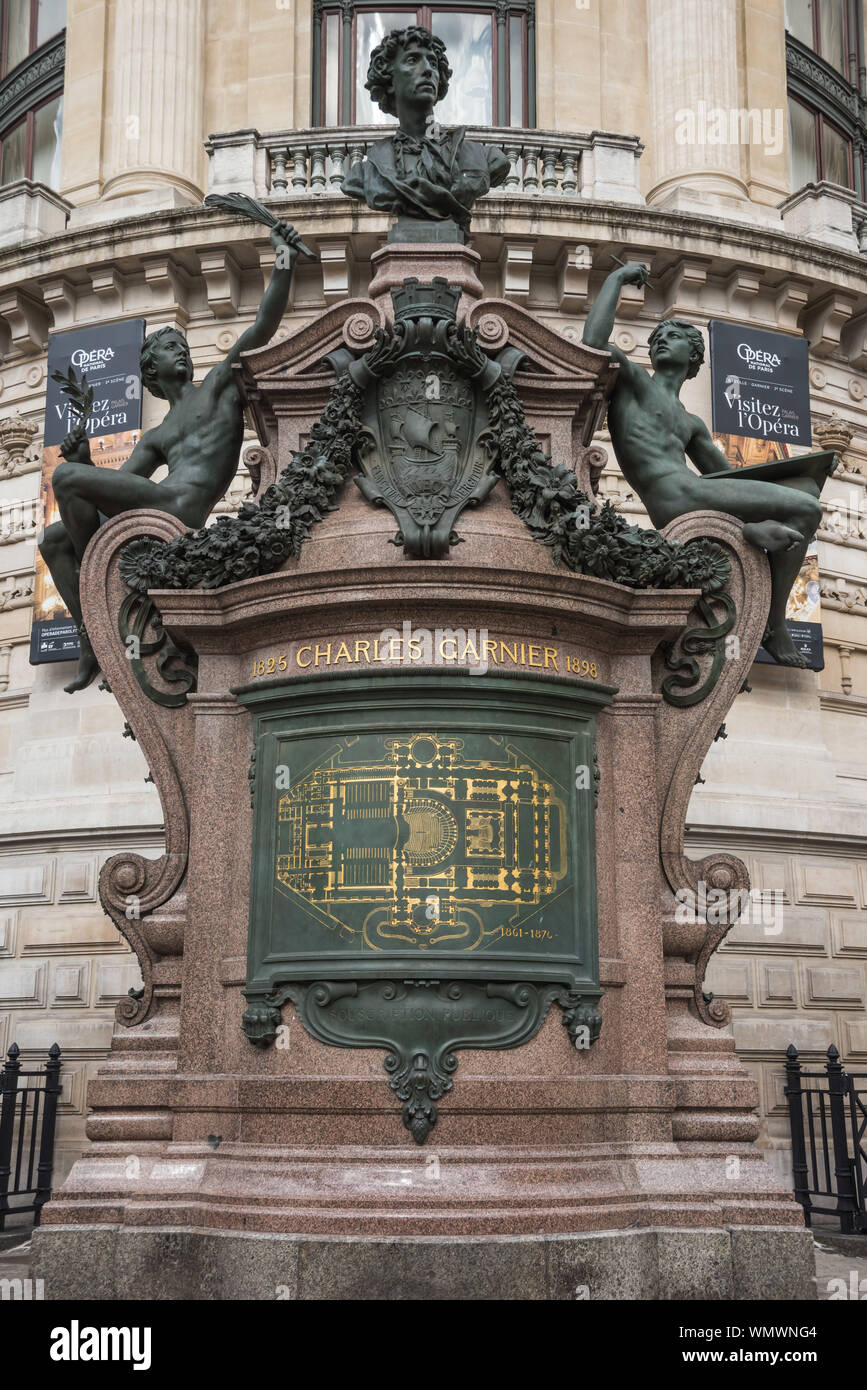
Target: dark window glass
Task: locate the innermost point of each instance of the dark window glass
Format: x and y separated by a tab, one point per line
836	156
802	144
47	122
17	36
27	25
487	51
822	26
832	34
517	72
331	47
371	27
799	20
13	161
31	148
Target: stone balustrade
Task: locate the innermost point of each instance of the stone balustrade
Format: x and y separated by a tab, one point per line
543	163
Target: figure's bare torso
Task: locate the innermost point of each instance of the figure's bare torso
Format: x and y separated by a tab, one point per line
650	431
200	440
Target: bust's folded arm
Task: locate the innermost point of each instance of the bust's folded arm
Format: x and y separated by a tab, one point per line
498	165
354	182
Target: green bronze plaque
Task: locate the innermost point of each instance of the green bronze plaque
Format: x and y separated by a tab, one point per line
428	831
426	841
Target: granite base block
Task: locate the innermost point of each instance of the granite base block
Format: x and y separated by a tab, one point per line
115	1263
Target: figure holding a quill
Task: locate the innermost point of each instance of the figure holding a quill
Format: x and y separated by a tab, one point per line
198	440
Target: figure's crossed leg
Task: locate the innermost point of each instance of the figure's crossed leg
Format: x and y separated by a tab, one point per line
59	555
83	492
772	536
781	521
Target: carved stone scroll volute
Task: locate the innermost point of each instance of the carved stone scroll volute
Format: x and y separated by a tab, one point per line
686	730
145	898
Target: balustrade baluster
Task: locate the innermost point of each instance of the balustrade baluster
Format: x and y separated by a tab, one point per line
299	174
513	178
338	158
531	170
317	170
549	171
279	179
570	174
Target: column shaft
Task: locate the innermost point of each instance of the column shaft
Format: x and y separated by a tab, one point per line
157	50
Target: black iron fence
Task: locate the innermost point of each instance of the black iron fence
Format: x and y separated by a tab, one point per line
28	1115
828	1117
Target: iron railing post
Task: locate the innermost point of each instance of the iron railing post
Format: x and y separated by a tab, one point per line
9	1093
857	1100
847	1203
46	1142
794	1093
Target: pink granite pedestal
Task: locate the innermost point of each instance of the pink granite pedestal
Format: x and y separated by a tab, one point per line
218	1170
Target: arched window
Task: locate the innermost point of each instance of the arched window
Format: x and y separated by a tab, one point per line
32	55
491	50
827	108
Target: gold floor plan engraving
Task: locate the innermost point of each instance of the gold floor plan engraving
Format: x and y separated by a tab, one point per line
425	839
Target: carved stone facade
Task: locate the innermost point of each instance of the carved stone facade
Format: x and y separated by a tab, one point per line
725	235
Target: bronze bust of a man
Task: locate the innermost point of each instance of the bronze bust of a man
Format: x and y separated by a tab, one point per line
427	174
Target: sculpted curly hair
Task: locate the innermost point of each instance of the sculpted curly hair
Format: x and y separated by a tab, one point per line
693	337
379	82
154	340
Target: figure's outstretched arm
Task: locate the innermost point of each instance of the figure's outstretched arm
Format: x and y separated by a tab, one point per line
600	320
703	452
284	239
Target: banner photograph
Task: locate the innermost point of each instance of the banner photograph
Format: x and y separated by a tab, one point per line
108	356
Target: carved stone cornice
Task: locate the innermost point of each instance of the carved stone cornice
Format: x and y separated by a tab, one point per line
841	703
848	539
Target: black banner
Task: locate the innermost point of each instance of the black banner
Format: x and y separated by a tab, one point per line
108	355
760	383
